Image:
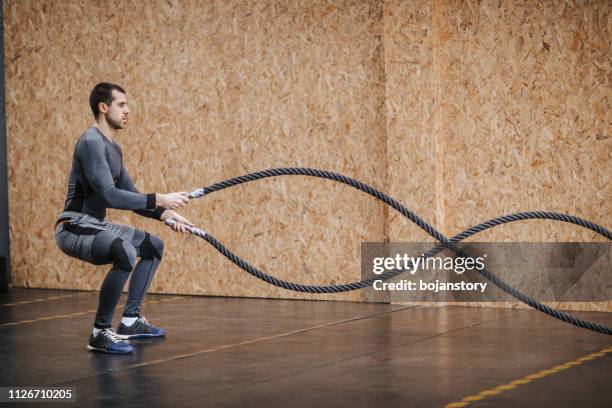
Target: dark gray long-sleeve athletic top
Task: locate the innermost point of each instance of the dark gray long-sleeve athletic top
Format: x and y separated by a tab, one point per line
98	180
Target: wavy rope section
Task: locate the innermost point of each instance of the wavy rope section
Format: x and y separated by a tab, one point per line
444	241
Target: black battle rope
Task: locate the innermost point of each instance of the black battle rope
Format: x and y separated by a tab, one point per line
445	242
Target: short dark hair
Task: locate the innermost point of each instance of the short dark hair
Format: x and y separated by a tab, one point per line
103	92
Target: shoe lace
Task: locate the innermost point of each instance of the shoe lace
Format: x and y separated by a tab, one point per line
144	320
110	333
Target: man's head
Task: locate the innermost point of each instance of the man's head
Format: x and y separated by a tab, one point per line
108	102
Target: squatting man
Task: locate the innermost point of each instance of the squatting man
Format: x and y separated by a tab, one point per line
98	180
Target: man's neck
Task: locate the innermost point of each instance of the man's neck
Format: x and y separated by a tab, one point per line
106	130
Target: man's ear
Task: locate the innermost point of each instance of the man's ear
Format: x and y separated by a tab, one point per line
102	107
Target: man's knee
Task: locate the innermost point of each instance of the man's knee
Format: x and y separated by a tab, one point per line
152	247
123	254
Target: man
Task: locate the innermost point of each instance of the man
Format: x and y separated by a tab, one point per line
98	180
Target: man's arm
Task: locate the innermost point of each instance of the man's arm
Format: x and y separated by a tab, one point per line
125	182
91	155
159	213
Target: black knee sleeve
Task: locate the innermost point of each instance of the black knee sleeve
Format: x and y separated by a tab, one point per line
120	257
152	247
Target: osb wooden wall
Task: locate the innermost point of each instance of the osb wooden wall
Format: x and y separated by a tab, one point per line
216	89
500	107
461	110
411	144
535	87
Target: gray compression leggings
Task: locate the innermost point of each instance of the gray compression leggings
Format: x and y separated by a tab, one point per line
119	245
107	248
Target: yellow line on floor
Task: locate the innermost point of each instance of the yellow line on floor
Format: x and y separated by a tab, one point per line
527	379
27	302
62	316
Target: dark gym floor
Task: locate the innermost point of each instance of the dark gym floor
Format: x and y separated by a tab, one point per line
232	352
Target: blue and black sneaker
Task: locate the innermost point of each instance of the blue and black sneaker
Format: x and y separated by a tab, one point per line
107	341
141	328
